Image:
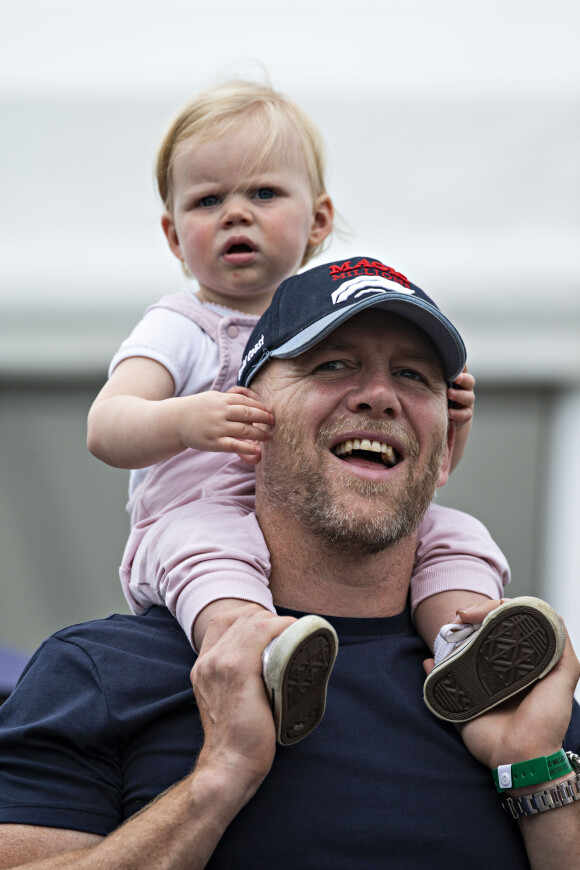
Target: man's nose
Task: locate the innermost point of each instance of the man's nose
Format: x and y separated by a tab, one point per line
374	394
236	211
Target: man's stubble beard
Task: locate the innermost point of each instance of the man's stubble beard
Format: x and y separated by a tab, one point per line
296	483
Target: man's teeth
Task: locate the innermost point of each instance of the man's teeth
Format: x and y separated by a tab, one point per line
387	452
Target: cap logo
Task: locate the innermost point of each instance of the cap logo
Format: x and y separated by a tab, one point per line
367	284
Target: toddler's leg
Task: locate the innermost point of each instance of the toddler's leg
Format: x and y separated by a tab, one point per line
296	667
210	555
439	610
478	666
213	609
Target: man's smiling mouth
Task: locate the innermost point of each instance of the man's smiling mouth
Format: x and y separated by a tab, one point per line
364	448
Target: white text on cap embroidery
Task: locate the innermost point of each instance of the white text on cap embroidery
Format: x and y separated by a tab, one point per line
252	352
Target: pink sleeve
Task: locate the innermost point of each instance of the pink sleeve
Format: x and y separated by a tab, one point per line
455	551
195	538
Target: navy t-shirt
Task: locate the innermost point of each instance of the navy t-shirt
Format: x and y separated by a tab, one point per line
104	719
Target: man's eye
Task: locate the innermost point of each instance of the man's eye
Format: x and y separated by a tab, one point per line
333	365
208	201
265	193
411	374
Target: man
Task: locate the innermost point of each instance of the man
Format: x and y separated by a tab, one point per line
381	783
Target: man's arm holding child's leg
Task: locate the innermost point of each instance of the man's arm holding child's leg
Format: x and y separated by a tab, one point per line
182	827
531	725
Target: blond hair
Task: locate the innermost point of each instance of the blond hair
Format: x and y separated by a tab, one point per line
216	111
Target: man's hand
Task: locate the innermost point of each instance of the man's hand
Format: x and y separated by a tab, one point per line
532	723
529	725
227	681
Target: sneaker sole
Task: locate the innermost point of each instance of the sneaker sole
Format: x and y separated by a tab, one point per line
296	676
517	644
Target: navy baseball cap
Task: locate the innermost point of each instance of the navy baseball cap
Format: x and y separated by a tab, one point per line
309	306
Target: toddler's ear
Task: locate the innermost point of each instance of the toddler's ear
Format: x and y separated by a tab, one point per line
323	220
168	226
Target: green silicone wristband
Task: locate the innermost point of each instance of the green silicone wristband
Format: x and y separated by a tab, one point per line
532	772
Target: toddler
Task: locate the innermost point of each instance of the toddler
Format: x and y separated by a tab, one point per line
241	176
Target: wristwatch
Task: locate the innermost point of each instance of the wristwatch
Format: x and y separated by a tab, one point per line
549	798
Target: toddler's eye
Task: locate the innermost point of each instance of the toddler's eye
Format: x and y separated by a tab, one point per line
209	201
265	193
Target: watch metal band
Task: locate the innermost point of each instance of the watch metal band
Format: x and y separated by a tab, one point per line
548	799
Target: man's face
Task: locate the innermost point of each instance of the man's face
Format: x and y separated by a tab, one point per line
361	436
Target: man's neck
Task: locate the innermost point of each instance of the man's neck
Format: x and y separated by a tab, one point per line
316	576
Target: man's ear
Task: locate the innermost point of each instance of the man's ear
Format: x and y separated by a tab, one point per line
446	466
245	391
168	226
322	220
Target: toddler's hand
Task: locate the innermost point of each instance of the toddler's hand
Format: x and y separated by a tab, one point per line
225	422
462	394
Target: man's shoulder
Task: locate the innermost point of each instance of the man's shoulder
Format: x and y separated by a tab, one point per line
119	625
152	634
131	666
101	721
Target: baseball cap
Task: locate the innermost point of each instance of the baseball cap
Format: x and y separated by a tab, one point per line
307	307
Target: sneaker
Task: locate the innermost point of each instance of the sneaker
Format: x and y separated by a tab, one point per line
478	667
296	667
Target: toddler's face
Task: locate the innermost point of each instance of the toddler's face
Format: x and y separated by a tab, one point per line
241	225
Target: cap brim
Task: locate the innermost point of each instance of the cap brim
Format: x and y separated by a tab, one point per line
441	331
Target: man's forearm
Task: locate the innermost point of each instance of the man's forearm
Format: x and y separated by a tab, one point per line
551	838
177	831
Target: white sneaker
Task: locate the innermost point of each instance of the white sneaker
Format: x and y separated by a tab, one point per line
450	636
296	667
478	667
